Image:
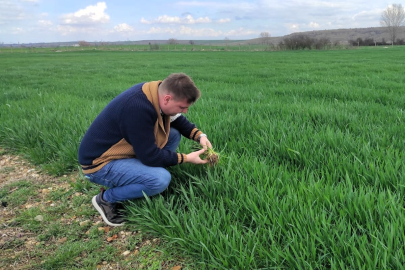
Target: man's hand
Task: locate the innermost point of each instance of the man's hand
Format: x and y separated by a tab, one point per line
204	142
194	157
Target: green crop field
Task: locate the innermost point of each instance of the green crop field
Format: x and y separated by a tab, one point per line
312	174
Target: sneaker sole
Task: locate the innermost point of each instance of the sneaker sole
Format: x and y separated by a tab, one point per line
95	204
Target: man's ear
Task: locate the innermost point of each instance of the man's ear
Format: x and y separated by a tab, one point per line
166	98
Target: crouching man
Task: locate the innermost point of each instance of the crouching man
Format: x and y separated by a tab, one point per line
135	137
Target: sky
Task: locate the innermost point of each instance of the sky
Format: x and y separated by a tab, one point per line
32	21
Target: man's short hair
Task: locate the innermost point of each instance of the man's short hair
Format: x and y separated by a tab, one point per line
181	86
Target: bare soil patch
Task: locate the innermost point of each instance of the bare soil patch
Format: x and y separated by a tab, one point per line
21	248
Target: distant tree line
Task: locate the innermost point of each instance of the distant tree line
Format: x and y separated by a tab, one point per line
153	47
303	42
373	42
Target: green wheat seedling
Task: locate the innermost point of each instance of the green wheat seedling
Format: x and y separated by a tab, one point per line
210	154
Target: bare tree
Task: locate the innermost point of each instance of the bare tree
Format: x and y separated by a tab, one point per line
265	36
172	41
226	39
393	17
83	43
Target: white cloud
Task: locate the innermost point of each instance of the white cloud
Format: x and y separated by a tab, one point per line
123	28
66	29
17	31
145	21
165	19
313	25
11	11
326	4
185	31
246	6
370	15
90	15
87	21
208	32
202	20
293	27
240	32
45	23
31	1
159	30
199	4
224	20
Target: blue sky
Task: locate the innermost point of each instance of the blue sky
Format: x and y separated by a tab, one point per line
27	21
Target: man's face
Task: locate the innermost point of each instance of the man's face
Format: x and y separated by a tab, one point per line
172	106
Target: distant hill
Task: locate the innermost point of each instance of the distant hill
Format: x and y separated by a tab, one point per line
342	36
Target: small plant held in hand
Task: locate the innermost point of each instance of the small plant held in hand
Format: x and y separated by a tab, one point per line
209	154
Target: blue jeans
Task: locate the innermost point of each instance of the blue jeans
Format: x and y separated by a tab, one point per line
128	178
